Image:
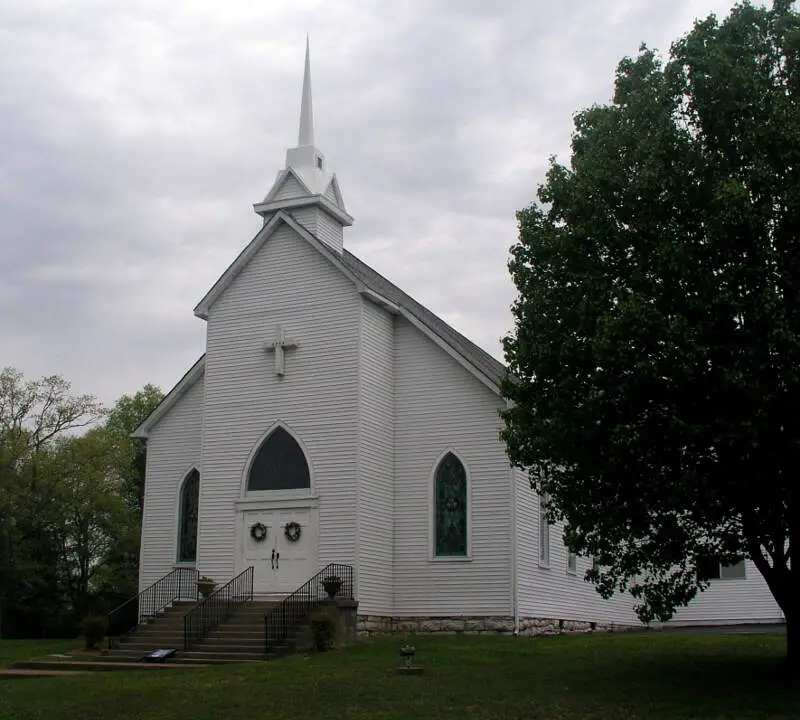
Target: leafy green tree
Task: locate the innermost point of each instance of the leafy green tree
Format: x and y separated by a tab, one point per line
119	572
34	414
655	359
91	510
126	415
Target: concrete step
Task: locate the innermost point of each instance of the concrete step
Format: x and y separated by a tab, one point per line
153	636
100	664
180	658
239	635
227	649
169	623
244	646
240	627
22	674
148	647
213	656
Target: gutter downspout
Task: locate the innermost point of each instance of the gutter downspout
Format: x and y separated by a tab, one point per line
514	536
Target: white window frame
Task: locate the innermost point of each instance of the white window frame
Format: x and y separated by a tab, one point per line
544	533
195	467
726	573
733	571
432	556
572	563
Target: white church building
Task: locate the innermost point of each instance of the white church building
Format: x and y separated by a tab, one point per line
333	418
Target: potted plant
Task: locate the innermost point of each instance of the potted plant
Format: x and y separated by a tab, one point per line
332	584
205	586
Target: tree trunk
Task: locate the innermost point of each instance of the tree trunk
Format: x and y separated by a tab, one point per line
793	642
791	608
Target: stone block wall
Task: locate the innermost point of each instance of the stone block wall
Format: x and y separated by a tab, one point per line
369	625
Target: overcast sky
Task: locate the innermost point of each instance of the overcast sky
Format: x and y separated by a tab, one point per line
135	136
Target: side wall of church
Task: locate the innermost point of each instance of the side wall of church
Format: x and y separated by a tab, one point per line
173	449
375	461
287	282
551	590
735	600
441	407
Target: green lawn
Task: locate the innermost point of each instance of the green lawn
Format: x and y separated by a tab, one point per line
13	650
601	676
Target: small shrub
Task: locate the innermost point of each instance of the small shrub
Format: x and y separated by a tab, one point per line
323	630
94	629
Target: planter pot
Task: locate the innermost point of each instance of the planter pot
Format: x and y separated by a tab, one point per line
332	585
205	589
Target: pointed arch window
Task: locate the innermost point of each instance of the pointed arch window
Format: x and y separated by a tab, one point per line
280	464
450	511
187	527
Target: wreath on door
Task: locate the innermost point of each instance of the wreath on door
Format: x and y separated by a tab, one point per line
292	531
258	532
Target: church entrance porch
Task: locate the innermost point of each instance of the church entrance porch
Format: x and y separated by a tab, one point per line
280	544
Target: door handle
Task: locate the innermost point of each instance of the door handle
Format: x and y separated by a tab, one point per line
272	560
277	561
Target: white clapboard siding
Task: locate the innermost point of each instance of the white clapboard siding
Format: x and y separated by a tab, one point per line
440	406
732	601
319	223
553	592
290	188
173	449
289	283
376	461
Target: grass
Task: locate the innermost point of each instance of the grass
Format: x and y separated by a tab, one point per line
13	650
601	676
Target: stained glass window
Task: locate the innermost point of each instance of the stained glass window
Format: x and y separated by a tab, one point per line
451	507
279	465
190	501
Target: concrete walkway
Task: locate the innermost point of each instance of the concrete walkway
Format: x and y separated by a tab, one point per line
743	629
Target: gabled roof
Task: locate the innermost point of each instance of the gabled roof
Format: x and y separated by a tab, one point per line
482	361
369	283
192	375
281	216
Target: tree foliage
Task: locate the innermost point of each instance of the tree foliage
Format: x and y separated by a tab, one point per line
69	502
127	414
655	359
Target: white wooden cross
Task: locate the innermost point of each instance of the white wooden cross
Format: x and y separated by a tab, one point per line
279	346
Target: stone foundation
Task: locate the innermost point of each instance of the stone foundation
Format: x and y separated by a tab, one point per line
369	625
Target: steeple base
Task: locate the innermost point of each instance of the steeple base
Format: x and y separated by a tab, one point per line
322	226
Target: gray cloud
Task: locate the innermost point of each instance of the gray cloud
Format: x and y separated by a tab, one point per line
135	137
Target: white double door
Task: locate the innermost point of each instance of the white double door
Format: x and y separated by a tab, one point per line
280	564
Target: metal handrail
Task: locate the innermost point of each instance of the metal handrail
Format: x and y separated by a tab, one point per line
295	609
210	612
179	584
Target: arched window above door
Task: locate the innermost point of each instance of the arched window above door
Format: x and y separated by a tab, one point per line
280	464
187	525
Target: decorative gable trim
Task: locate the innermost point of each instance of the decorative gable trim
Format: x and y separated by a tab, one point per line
233	270
458	357
289	186
396	309
274	205
181	388
204	306
333	189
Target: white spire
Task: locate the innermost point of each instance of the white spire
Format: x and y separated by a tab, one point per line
304	186
306	136
306	155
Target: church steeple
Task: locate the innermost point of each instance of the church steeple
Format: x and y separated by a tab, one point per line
304	186
306	154
306	135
